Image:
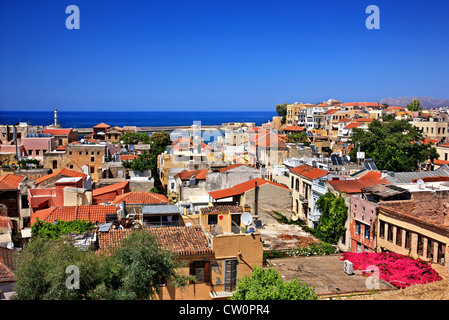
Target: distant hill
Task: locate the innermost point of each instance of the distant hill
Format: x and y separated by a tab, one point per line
426	102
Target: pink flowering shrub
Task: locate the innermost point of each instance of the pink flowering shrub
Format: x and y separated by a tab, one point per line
401	271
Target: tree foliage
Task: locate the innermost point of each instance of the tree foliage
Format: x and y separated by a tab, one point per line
267	284
299	137
55	230
394	145
132	271
135	138
148	160
333	217
415	105
281	110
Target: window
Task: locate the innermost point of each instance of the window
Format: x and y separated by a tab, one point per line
37	152
420	245
297	185
25	203
201	270
92	169
55	164
441	253
212	219
79	153
92	159
357	227
91	153
292	183
399	236
390	233
71	166
429	253
70	153
408	240
367	231
381	229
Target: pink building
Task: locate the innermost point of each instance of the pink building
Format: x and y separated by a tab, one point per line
363	216
35	147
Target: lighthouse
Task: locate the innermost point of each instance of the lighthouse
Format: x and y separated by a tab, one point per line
56	118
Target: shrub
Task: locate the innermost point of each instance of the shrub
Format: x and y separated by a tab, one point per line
399	270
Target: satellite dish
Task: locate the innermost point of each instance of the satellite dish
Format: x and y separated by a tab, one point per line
246	218
188	224
82	140
420	182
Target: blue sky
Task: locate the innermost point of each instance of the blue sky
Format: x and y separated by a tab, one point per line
218	55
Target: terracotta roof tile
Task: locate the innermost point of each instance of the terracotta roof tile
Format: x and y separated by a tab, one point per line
355	186
294	128
102	125
6	275
183	241
10	181
57	132
186	175
309	172
63	172
93	213
110	188
141	198
242	188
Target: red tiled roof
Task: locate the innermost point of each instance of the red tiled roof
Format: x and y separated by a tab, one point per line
63	172
93	213
363	120
186	175
362	104
353	125
435	215
432	179
372	175
331	111
141	198
5	221
183	241
128	157
440	162
309	172
58	132
242	188
6	275
110	188
355	186
232	166
10	181
102	125
294	128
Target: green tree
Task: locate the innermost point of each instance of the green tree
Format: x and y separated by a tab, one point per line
333	217
132	271
415	105
281	110
393	145
148	160
145	265
267	284
135	138
299	137
53	231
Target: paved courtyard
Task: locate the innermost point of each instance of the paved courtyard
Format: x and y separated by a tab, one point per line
325	273
277	236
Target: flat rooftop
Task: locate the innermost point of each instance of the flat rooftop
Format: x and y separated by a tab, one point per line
325	273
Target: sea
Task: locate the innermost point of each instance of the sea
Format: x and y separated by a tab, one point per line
74	119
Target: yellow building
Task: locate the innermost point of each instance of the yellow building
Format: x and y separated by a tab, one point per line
414	228
208	247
